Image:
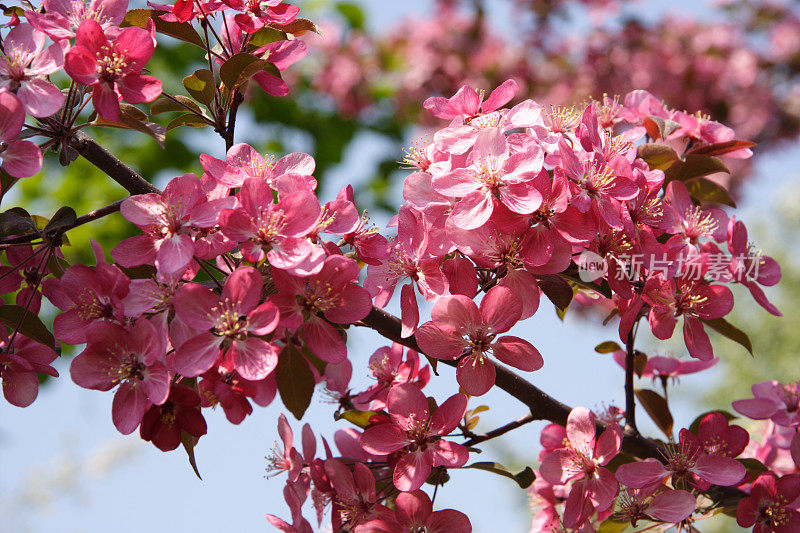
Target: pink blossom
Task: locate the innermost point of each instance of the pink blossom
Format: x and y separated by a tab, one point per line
308	304
768	508
408	259
25	275
165	424
62	18
468	103
390	369
776	401
686	462
693	222
750	267
19	363
413	511
112	67
24	66
21	159
492	170
176	224
665	368
460	328
231	326
695	301
132	359
715	436
354	496
256	13
85	296
289	459
416	434
671	506
274	231
583	461
242	161
218	389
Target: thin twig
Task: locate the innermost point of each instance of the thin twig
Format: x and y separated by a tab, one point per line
501	430
630	400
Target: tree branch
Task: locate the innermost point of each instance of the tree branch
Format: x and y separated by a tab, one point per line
630	401
105	161
60	230
500	431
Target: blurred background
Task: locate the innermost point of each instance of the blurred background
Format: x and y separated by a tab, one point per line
355	103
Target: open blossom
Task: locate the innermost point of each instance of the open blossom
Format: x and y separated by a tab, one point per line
716	436
256	13
768	508
231	326
307	304
583	461
750	266
413	512
19	364
62	18
664	368
20	158
694	301
25	63
389	368
492	170
670	506
242	161
113	67
25	274
289	459
459	327
85	296
777	401
416	434
175	223
686	462
275	231
132	359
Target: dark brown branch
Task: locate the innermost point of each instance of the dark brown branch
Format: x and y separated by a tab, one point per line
477	439
630	401
60	230
238	98
105	161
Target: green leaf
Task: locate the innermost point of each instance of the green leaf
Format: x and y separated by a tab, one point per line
352	13
265	36
658	409
189	442
30	326
657	156
610	526
694	166
358	418
695	425
726	329
705	190
295	381
168	105
132	118
720	148
187	119
201	86
607	347
523	478
243	66
182	31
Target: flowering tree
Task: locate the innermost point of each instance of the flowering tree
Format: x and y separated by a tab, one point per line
243	283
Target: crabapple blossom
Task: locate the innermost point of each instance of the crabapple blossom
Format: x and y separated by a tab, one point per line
776	401
112	66
19	363
768	506
415	433
228	326
24	66
460	328
61	19
414	511
164	424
